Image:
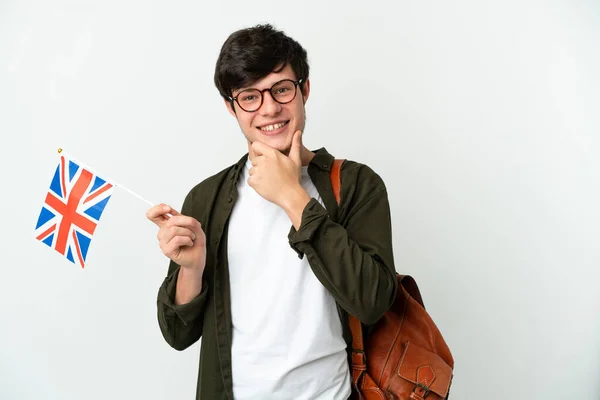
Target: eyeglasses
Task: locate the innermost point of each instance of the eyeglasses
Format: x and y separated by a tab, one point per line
282	92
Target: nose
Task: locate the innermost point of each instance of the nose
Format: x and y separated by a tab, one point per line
269	106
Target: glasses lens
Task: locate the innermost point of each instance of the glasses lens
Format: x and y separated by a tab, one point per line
249	100
284	91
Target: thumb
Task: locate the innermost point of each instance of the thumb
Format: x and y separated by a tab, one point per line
160	213
296	149
170	210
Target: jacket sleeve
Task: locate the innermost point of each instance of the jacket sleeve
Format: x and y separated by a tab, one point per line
355	261
181	325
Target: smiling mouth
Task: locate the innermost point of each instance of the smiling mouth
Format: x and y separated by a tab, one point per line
273	127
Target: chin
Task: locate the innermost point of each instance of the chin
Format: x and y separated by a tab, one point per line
280	142
285	149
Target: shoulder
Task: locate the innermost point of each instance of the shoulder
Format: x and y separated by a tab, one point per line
365	178
361	185
353	173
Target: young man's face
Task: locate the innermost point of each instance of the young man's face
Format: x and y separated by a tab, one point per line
264	124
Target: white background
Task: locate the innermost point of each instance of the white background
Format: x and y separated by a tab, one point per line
482	118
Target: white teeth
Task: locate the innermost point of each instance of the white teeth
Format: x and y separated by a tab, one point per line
269	128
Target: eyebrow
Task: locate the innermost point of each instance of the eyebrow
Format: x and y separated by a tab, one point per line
253	87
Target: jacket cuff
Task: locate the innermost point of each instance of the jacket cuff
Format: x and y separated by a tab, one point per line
313	216
188	312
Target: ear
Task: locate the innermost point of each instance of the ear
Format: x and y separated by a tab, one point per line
305	87
230	108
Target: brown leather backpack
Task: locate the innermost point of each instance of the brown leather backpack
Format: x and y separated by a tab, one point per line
404	356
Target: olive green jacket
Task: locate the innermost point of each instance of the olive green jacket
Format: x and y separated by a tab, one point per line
348	248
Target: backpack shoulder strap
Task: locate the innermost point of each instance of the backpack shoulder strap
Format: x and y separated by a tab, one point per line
358	356
336	178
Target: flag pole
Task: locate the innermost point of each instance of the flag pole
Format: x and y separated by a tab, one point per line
60	150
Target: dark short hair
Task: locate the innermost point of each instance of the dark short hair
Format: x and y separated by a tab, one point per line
252	53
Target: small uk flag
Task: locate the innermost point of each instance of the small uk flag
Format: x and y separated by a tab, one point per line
72	209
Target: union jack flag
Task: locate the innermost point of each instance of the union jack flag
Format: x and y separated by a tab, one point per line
72	210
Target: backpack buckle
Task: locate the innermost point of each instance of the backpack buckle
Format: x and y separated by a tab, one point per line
420	391
359	360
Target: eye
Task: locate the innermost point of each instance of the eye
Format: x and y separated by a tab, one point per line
250	97
281	90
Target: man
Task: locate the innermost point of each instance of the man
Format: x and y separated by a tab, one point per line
264	265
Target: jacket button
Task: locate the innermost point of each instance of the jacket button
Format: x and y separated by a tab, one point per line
229	200
215	240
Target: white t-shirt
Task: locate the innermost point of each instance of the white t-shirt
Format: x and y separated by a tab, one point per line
287	334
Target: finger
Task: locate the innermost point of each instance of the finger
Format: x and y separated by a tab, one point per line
179	241
170	210
253	171
174	245
167	234
296	148
261	148
159	214
257	160
185	222
157	211
252	153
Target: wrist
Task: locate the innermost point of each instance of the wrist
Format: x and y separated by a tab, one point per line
193	268
295	203
295	198
189	284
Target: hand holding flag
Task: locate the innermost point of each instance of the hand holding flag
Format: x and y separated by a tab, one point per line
180	237
75	202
